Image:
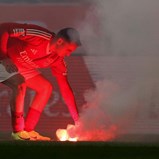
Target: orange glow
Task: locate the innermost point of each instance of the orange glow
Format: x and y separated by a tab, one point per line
73	139
63	135
80	133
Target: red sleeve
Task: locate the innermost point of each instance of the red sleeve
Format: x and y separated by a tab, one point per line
25	32
4	35
60	68
22	30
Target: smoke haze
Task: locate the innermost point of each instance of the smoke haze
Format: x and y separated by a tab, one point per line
126	30
122	27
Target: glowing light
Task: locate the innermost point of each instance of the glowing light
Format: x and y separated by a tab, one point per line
66	134
77	132
62	134
73	139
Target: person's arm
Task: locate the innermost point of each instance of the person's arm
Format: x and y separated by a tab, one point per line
59	70
4	59
3	42
8	30
68	96
23	32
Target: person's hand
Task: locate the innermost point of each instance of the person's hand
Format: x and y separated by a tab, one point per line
9	65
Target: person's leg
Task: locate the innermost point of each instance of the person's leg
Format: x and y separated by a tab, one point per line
17	84
43	90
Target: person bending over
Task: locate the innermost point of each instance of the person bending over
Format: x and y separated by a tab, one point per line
24	48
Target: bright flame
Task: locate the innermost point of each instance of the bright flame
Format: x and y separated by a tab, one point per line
79	133
73	139
62	135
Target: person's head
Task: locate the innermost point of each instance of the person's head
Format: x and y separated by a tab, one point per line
66	41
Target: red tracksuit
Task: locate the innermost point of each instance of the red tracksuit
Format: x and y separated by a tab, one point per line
28	47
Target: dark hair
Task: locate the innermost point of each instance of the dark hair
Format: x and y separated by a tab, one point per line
70	35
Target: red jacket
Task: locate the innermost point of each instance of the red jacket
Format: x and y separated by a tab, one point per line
27	45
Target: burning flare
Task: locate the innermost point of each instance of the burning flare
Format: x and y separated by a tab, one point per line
79	133
64	135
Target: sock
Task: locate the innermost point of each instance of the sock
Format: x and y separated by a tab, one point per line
32	119
17	121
